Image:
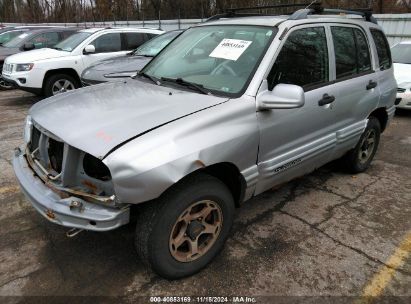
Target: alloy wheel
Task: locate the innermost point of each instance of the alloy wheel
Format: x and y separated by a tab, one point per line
195	231
367	146
61	86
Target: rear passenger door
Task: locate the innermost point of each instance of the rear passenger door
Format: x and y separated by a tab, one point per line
356	81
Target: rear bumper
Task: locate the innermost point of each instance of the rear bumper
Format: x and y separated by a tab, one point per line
48	203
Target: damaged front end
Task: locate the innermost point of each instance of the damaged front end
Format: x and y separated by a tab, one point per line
67	186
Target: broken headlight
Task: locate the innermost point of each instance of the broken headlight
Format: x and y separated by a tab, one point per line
95	168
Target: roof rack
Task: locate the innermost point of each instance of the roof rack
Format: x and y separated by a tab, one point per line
233	12
366	13
309	9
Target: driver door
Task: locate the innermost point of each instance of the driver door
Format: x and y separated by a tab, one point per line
107	45
296	141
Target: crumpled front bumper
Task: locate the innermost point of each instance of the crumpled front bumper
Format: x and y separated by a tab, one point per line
89	216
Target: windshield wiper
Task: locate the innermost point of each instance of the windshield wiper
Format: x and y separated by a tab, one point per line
198	87
144	75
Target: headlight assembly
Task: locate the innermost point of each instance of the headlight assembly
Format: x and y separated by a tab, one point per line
25	67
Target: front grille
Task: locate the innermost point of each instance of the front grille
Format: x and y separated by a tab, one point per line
55	154
401	90
7	67
66	166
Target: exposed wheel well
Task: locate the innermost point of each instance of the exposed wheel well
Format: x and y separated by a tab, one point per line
382	116
67	71
229	174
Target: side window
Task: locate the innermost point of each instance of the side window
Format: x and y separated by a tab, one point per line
383	49
363	52
352	54
303	60
345	51
108	43
45	40
134	40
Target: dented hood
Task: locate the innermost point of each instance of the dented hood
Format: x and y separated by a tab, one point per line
97	119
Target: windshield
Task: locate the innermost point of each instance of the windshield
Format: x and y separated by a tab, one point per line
8	36
72	42
401	53
154	46
16	42
221	59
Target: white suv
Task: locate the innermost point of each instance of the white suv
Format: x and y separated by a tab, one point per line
52	71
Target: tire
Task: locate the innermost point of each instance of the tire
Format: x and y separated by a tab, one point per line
158	222
63	79
357	160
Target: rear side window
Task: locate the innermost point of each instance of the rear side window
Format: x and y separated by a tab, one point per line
108	43
303	60
134	40
45	40
383	49
352	54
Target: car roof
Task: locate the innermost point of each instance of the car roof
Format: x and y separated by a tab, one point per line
134	29
47	30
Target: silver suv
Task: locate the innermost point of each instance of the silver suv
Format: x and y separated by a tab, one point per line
229	109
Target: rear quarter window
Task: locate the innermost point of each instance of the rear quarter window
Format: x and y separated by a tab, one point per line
383	49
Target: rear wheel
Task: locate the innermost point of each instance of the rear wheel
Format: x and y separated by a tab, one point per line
359	159
186	228
59	83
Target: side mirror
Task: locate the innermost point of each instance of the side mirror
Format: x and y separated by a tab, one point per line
283	96
28	46
90	49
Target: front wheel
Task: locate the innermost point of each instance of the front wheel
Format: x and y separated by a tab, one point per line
186	228
59	83
359	159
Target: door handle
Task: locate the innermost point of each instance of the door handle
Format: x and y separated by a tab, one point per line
372	85
327	99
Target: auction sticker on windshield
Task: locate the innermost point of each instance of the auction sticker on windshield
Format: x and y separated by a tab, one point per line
230	49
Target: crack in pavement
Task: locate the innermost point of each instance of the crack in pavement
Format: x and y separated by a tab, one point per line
330	211
23	276
359	251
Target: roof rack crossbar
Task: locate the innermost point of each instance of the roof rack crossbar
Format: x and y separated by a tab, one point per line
233	15
304	13
266	7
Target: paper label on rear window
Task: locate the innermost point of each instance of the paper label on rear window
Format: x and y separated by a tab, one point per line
23	35
230	49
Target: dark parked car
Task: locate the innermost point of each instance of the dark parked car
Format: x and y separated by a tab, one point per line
126	66
30	39
10	32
